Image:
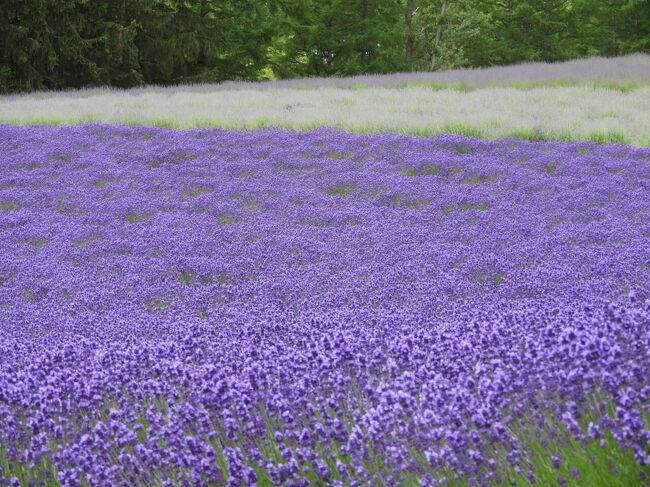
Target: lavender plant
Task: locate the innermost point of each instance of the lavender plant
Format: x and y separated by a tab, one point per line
564	112
211	307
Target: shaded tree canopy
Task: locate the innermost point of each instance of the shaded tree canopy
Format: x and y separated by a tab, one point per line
58	44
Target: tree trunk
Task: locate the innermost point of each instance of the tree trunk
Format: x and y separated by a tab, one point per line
443	8
408	19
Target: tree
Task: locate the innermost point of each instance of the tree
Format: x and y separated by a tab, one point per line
50	44
55	44
609	27
448	30
340	37
26	53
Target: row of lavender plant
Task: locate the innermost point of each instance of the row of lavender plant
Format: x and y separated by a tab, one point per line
211	307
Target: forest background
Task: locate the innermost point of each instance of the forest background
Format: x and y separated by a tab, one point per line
60	44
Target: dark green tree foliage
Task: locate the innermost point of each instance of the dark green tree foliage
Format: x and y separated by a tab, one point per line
57	44
452	35
26	52
206	40
340	37
53	44
610	27
529	30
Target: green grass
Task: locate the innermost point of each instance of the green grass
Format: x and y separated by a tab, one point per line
194	192
59	157
162	123
608	465
621	86
340	190
474	179
464	129
29	296
479	207
416	204
408	172
252	206
9	206
102	183
227	219
409	204
427	170
530	134
53	121
33	165
39	244
78	244
614	118
338	155
135	218
159	305
184	278
609	137
597	466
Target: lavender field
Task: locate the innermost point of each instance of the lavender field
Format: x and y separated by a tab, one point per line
212	307
604	100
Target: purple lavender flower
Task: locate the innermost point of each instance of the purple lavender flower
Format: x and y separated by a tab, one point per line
236	307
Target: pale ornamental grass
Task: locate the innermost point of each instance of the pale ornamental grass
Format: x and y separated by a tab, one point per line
558	113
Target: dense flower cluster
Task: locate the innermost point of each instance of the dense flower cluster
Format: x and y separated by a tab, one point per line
211	307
